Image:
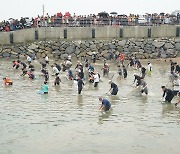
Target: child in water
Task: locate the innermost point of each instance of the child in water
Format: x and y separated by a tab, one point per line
7	81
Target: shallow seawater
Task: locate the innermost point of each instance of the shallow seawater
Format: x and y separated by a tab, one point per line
65	122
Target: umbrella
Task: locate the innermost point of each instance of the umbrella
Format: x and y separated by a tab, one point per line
67	14
59	14
103	14
162	14
113	13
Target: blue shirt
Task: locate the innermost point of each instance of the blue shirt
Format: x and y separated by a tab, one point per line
70	73
106	103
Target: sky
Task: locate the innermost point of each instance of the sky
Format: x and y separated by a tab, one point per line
31	8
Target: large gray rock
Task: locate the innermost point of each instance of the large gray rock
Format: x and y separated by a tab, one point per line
104	52
112	46
70	50
56	53
168	46
138	43
158	44
122	43
83	46
30	51
177	40
6	54
77	52
64	56
107	56
163	55
33	46
93	46
177	46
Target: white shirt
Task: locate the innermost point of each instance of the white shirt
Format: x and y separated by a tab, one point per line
68	62
69	57
29	59
149	67
55	70
46	58
96	78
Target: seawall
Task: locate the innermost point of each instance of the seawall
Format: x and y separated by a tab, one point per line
87	33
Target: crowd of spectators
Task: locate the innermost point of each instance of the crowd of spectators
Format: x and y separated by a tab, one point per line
102	19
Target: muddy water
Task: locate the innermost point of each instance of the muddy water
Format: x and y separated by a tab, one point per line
65	122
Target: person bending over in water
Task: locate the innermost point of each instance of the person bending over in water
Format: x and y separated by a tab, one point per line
169	94
31	75
16	64
7	81
144	86
137	79
57	81
106	105
114	88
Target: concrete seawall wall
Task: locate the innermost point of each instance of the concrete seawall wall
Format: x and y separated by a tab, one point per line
80	33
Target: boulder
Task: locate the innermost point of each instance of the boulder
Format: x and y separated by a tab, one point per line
163	55
33	46
70	49
93	46
77	52
107	56
64	56
56	53
122	43
112	46
177	46
104	52
158	44
168	46
6	54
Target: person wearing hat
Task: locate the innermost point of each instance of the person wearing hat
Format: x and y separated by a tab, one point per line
169	94
113	88
106	105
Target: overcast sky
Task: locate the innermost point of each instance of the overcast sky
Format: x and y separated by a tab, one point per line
32	8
